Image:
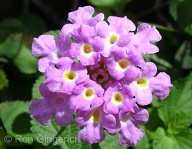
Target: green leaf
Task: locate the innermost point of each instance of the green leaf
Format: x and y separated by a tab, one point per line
2	135
75	60
104	10
10	45
25	61
2	145
161	141
107	3
143	143
180	122
16	119
184	16
161	27
161	63
118	6
35	89
154	120
11	25
179	101
96	146
182	140
55	136
34	25
173	6
181	12
3	79
111	142
55	33
3	60
183	56
156	102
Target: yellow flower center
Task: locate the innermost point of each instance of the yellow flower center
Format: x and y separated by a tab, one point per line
86	49
88	94
141	82
70	76
113	39
117	98
96	115
123	64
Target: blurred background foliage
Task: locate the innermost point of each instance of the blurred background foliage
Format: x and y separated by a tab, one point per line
22	20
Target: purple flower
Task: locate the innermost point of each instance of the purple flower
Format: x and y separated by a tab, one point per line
118	99
129	132
53	104
88	46
82	16
144	38
65	76
109	81
86	96
146	84
117	33
50	50
126	126
94	122
124	64
161	85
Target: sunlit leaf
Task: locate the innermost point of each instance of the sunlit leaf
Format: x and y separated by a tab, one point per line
178	102
54	136
25	61
35	89
111	142
182	140
16	119
180	122
3	79
162	141
143	143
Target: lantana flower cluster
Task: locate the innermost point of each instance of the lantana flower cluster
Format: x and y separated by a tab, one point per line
95	71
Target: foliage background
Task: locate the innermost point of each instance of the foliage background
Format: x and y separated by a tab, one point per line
170	120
